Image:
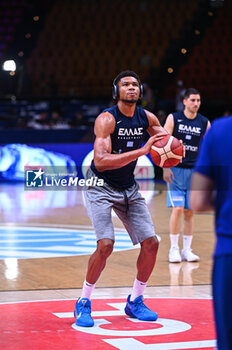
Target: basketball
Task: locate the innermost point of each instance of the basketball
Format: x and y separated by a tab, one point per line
167	152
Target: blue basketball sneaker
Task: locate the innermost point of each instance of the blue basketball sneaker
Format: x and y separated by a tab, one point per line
137	309
82	313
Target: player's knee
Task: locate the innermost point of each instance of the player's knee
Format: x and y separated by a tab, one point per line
105	247
151	245
178	211
154	245
188	213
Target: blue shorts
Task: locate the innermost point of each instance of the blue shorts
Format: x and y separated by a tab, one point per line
178	191
129	206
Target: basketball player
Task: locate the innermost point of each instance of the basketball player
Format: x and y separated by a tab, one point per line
212	190
120	132
189	126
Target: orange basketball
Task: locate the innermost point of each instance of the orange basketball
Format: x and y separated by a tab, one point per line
167	152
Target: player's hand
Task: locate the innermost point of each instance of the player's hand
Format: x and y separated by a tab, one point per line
168	175
151	140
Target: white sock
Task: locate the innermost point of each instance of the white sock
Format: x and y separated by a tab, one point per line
87	290
187	241
174	240
138	289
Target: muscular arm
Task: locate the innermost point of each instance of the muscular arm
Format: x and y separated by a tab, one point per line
103	159
154	124
202	193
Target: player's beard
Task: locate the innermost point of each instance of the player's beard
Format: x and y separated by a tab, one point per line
129	101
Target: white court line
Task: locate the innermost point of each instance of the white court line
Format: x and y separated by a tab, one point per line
132	344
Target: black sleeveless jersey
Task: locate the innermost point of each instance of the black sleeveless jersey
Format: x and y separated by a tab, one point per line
191	132
128	135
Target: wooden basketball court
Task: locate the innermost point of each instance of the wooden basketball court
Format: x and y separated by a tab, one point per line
62	277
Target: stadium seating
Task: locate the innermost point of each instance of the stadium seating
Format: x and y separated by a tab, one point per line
10	15
84	44
209	67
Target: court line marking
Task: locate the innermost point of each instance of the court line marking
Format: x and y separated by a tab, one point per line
82	242
94	298
131	344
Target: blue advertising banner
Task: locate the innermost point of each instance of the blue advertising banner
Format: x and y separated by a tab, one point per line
71	157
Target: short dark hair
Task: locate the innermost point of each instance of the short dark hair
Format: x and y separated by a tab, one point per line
126	73
190	91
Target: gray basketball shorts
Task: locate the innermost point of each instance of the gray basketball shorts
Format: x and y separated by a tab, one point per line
128	205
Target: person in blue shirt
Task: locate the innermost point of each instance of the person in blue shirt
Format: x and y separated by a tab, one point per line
211	189
120	132
189	126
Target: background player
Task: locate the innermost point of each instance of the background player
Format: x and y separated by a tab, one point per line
120	132
189	126
212	190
